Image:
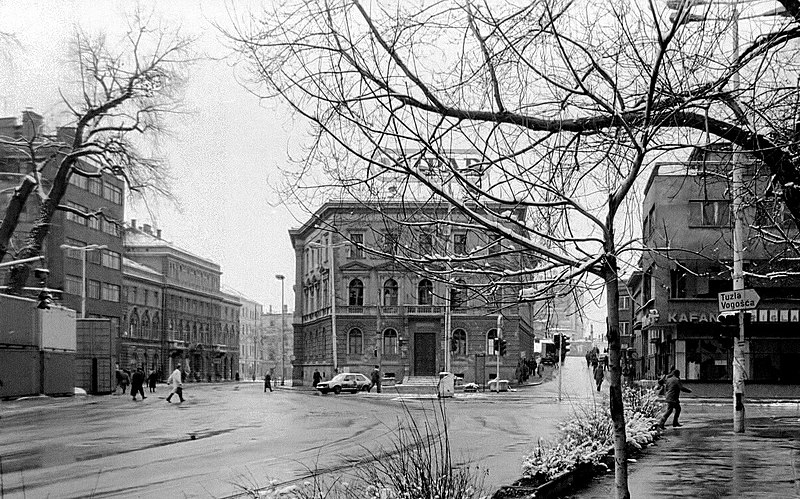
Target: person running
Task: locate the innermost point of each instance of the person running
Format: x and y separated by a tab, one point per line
137	383
672	390
176	380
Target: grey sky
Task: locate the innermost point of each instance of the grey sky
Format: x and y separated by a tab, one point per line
223	153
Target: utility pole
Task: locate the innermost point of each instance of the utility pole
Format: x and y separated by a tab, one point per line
738	251
497	353
560	366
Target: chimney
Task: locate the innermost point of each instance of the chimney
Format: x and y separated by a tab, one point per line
147	229
133	223
158	233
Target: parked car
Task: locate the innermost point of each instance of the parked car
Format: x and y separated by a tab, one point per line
471	387
548	361
352	382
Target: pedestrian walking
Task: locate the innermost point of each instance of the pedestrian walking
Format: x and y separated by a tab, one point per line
176	380
317	378
267	382
137	383
375	379
672	390
588	359
152	379
125	380
599	375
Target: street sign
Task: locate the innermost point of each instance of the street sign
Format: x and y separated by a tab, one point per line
742	299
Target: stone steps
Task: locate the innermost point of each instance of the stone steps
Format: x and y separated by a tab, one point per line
421	380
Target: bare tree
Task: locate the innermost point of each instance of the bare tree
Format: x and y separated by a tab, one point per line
565	103
122	92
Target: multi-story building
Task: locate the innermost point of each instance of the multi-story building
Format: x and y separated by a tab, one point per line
142	342
355	308
95	192
199	322
276	328
687	223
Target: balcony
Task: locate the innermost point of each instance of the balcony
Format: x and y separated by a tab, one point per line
397	310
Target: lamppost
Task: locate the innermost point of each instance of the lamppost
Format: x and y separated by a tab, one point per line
282	278
83	250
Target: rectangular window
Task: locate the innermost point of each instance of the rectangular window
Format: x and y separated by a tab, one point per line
647	285
72	253
78	180
110	227
93	289
111	259
460	244
710	213
624	328
73	217
113	193
96	186
110	292
425	244
357	245
389	243
72	285
94	222
624	302
93	257
677	284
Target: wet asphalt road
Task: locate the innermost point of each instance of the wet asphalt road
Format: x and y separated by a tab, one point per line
231	435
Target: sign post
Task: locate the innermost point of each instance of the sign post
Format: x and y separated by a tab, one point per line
738	301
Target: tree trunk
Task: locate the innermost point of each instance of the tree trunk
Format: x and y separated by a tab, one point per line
616	406
14	209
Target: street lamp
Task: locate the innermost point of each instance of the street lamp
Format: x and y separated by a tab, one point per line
83	250
282	278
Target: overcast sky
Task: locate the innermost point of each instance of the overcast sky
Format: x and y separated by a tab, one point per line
223	153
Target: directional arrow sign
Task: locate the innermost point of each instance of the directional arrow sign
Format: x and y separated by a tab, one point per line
743	299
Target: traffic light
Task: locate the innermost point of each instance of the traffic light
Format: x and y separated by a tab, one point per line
502	346
732	318
557	342
564	347
496	344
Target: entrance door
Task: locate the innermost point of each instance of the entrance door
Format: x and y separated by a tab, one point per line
425	354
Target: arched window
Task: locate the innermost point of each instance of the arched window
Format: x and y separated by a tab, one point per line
355	342
156	327
459	345
390	293
425	292
195	338
356	289
390	342
490	337
133	324
146	325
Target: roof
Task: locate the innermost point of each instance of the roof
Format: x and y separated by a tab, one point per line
127	262
135	238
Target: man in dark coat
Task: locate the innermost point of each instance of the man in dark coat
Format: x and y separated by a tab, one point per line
375	380
317	378
267	382
599	375
672	391
137	383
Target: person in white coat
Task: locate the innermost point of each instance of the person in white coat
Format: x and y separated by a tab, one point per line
176	380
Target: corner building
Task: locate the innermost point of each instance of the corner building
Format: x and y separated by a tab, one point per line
687	208
356	307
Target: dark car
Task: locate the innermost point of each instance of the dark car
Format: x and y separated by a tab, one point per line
352	382
548	361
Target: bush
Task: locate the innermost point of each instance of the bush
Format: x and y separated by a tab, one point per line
587	438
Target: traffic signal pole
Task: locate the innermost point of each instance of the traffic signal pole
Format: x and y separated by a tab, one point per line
499	335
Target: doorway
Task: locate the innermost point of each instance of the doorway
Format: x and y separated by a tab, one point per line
425	354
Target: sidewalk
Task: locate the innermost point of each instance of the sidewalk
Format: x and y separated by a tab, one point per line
705	458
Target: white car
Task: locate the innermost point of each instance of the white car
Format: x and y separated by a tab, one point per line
352	382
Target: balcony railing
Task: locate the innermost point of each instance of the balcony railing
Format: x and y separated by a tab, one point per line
395	310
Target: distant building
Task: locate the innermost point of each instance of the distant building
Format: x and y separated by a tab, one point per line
199	322
98	192
355	309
